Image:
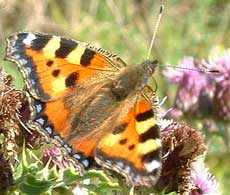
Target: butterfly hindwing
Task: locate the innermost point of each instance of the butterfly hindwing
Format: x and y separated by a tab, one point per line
133	146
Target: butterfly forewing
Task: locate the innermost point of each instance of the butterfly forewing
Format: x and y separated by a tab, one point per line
54	65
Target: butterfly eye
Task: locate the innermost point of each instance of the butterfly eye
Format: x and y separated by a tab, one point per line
149	67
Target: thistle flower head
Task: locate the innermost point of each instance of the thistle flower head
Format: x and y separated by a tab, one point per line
193	86
204	182
57	157
221	62
181	146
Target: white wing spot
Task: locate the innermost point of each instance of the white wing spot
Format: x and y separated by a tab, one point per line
28	40
85	163
152	165
41	121
23	61
49	130
38	108
77	156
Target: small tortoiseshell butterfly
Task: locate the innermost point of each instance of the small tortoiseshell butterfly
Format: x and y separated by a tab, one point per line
88	99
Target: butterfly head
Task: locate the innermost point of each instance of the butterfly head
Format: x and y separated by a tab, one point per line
149	67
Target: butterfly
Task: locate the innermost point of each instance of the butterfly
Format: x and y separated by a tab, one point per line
89	100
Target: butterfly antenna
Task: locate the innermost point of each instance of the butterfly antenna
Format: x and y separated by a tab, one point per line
214	71
155	30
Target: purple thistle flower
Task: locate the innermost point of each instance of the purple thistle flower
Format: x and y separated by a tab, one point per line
57	157
222	64
222	92
204	182
196	89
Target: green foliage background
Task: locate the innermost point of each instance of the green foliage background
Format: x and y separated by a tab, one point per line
188	28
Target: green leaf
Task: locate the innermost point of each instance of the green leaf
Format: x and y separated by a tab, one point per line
32	186
70	175
97	174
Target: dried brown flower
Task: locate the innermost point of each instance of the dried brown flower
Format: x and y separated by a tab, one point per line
31	137
181	146
6	178
10	103
14	112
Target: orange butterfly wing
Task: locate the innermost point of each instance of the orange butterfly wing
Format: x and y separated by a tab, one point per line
53	65
133	146
55	68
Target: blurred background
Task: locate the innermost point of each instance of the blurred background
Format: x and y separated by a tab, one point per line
188	28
